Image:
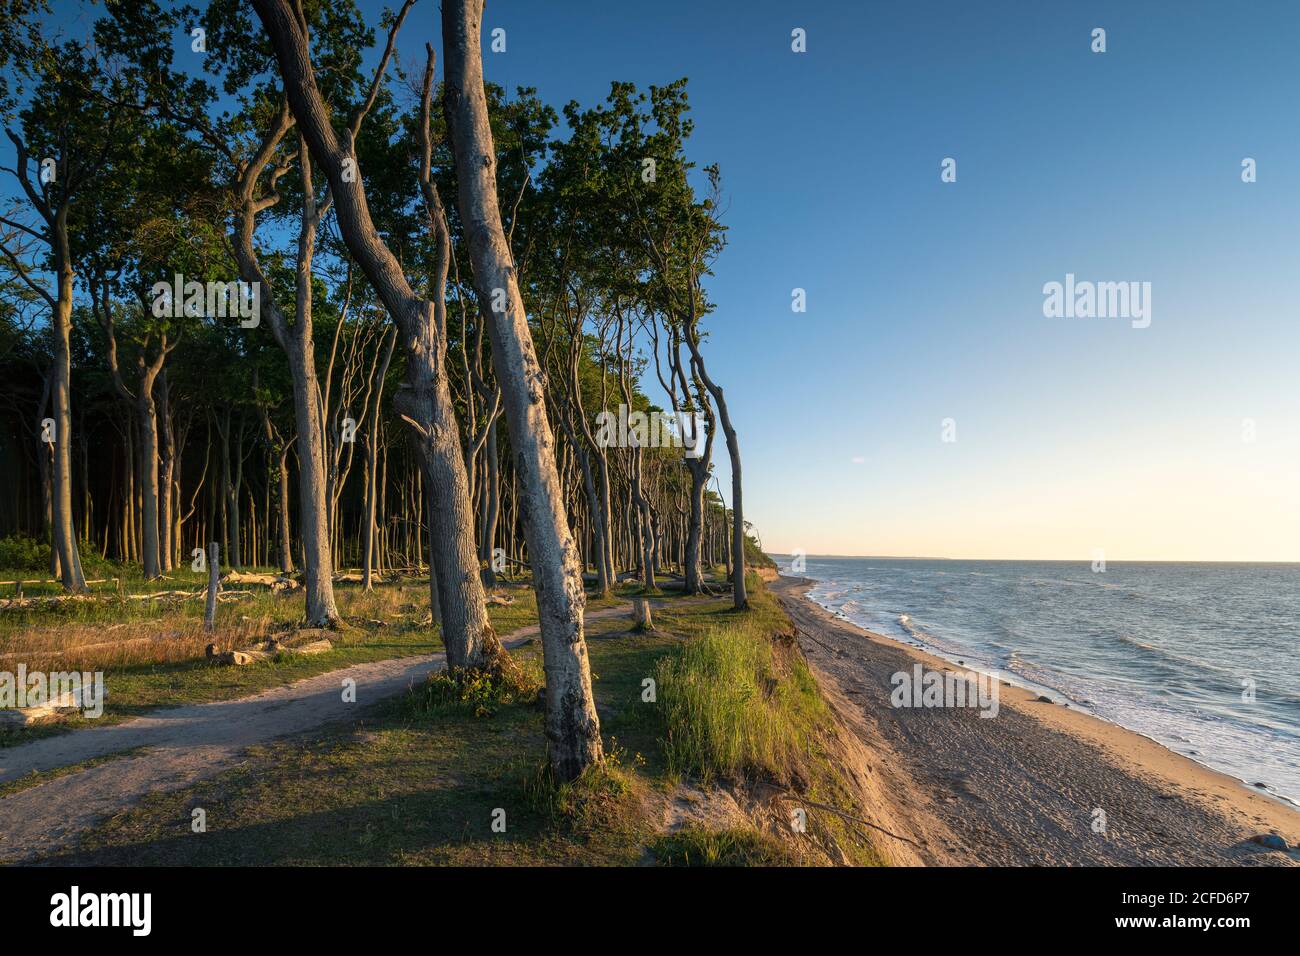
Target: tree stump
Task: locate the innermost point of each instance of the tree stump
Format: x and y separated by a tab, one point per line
641	614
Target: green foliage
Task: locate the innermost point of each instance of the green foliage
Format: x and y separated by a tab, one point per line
20	46
755	556
21	553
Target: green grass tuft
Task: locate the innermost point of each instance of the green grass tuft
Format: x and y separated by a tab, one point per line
475	692
600	797
693	846
728	710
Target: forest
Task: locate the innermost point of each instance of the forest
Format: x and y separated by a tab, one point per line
267	284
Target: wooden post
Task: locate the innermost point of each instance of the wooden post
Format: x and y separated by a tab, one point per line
214	574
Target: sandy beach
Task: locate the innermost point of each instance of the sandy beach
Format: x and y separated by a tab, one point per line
1033	785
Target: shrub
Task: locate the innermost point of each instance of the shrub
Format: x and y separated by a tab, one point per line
24	554
477	692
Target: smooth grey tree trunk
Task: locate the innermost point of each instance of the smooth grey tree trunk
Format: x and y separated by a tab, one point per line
372	460
740	598
317	555
317	560
298	346
147	419
492	506
286	536
572	727
65	537
166	476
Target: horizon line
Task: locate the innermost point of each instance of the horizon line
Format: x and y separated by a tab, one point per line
922	557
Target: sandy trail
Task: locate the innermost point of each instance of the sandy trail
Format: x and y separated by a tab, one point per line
185	745
1022	788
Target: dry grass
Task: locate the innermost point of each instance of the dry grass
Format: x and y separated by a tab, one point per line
107	632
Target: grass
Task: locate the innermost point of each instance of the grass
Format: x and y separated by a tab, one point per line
152	654
739	704
38	777
455	772
419	783
695	846
474	693
729	710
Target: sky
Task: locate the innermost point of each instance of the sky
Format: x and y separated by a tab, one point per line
925	299
1178	441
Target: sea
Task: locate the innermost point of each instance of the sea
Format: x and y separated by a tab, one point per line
1203	658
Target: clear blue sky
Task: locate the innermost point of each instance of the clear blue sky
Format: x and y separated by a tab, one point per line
925	299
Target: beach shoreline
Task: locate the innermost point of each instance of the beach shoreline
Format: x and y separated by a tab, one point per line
1039	784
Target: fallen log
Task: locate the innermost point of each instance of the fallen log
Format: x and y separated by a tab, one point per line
276	582
18	603
266	650
176	595
239	658
315	647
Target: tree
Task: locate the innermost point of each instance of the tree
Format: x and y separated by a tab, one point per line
573	729
63	145
425	399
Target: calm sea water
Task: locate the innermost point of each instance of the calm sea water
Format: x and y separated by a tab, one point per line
1164	649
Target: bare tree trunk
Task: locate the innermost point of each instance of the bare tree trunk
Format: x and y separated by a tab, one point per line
214	584
492	506
146	416
640	506
604	573
232	477
166	478
286	537
65	536
317	562
572	727
694	532
740	598
435	601
372	460
45	462
598	500
297	344
425	399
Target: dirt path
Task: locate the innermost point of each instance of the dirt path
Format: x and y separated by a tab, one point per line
185	745
1022	788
